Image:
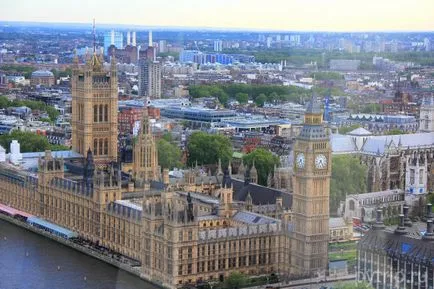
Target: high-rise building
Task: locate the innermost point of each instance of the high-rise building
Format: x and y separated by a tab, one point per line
311	183
150	73
149	78
269	40
427	44
113	38
94	109
295	40
218	45
162	46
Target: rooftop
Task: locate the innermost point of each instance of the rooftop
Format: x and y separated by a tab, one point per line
409	245
360	132
42	73
253	218
129	204
375	194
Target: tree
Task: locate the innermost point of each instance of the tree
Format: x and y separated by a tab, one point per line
264	163
348	177
242	97
4	102
169	155
29	142
39	105
235	280
260	100
354	285
325	75
372	108
59	148
207	149
395	131
223	97
45	119
167	137
273	97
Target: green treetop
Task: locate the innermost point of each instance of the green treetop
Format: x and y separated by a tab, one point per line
348	177
207	149
264	163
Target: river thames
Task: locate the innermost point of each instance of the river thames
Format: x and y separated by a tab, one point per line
30	261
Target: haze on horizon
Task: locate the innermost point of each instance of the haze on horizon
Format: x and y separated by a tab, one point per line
284	15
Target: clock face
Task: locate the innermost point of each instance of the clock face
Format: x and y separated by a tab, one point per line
321	161
300	160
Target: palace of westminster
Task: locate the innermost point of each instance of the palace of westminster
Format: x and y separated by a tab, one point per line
182	232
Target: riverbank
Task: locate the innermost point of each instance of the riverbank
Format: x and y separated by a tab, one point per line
84	250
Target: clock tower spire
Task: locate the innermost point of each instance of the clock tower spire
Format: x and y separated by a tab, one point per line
311	179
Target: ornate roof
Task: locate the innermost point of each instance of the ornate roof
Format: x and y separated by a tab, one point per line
410	245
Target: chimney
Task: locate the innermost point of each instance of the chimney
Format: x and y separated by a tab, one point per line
128	38
150	38
134	39
429	235
401	227
379	225
407	221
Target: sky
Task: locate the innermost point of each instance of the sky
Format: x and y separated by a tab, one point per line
284	15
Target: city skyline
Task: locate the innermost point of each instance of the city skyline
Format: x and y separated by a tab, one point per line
310	15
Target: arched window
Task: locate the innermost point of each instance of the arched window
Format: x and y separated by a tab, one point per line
95	113
100	112
95	146
100	146
106	113
106	146
351	203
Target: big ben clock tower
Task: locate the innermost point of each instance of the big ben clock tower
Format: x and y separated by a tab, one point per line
311	179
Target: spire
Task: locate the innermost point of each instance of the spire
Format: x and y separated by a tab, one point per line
89	167
75	59
219	168
241	168
253	169
94	36
249	198
269	180
113	61
146	128
313	106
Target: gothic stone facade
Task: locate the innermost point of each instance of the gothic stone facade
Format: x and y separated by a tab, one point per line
95	109
311	193
179	238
